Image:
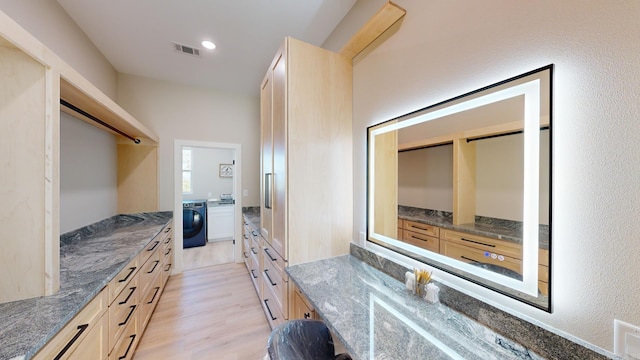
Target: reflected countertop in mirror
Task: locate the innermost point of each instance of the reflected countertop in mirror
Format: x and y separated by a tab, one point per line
484	226
377	318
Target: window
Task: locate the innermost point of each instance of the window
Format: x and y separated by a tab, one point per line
187	187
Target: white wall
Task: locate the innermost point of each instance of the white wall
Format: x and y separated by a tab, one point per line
50	24
446	48
425	178
88	174
175	111
205	176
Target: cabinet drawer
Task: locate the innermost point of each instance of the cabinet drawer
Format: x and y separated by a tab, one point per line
505	248
470	255
272	279
421	228
254	272
148	303
122	279
167	265
149	271
168	237
123	311
76	331
149	250
245	253
126	345
271	309
94	346
420	240
274	259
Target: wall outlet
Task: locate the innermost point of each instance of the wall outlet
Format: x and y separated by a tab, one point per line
626	340
362	238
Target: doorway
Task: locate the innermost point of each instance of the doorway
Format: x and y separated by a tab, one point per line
209	173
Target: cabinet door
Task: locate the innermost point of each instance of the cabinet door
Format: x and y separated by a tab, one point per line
278	236
266	161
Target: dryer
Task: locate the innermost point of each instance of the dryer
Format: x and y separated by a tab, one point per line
194	223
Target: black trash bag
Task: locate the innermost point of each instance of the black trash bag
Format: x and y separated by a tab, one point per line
302	339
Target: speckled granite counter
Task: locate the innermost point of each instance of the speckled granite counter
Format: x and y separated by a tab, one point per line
484	226
252	214
89	258
376	318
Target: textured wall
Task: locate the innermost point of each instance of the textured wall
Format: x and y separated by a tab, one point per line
446	48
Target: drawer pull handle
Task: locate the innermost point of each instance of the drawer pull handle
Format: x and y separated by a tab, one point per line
266	250
470	259
245	255
154	267
266	272
253	274
154	245
253	250
167	230
81	329
133	308
133	338
154	295
478	242
420	228
307	315
166	268
131	270
254	233
269	310
133	289
168	252
168	240
245	236
417	238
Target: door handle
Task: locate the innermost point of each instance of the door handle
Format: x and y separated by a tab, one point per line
267	190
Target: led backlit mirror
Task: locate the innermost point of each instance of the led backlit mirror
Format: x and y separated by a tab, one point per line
464	186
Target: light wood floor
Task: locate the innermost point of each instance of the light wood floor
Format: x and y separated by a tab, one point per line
213	253
208	313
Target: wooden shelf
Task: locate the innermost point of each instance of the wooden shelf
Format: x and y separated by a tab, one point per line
388	15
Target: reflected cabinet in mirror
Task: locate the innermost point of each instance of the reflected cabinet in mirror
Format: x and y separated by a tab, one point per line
464	186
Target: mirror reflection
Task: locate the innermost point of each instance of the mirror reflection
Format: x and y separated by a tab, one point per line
465	186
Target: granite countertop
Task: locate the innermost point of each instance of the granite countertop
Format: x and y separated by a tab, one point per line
489	227
252	214
375	317
89	258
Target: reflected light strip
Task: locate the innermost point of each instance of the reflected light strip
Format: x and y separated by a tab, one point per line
530	240
421	331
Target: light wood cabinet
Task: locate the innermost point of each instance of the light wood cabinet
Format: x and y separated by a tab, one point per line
301	307
33	81
90	326
306	166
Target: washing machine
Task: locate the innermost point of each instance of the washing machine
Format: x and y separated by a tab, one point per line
194	223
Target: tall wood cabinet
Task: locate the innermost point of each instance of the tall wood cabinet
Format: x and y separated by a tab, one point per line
306	165
33	81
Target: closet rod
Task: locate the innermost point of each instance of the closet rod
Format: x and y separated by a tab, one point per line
424	147
82	112
505	134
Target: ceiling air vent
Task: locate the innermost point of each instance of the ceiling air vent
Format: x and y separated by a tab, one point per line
186	49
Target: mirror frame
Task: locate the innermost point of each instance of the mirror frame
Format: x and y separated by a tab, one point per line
527	289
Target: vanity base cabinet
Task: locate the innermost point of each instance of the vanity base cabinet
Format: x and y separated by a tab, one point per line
306	208
301	307
84	337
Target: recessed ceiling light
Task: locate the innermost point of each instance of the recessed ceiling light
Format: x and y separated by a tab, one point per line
208	44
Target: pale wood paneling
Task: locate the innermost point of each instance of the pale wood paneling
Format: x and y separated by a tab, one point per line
385	188
464	182
137	178
209	313
23	159
319	153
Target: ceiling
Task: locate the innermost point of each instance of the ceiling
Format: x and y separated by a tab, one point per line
136	36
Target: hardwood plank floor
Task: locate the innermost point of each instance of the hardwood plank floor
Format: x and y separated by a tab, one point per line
213	253
207	313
